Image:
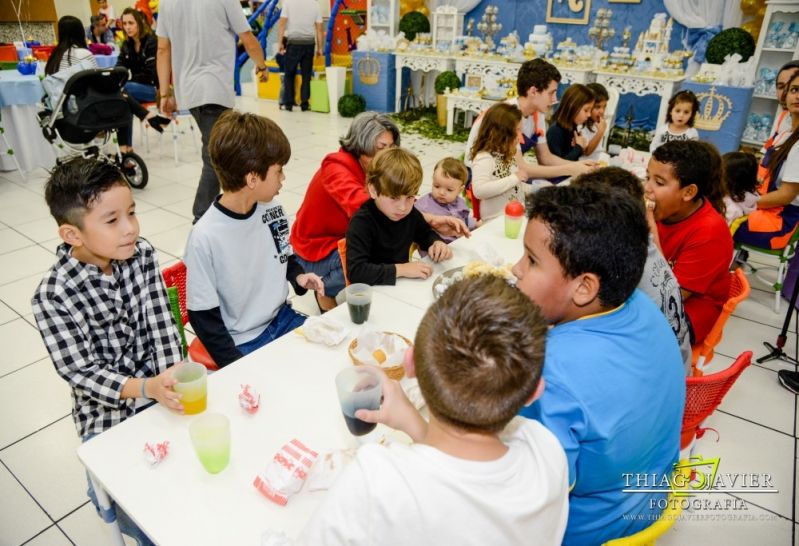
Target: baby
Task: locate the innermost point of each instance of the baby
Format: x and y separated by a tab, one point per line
449	179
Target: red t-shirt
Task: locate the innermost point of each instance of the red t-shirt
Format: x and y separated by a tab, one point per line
699	250
336	191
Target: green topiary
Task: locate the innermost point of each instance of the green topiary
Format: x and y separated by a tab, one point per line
350	106
448	78
727	42
412	23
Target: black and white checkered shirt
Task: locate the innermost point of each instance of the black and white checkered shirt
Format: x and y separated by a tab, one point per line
100	330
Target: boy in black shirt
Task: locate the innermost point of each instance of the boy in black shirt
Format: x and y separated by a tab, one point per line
381	232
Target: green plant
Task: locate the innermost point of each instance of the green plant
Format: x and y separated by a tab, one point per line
351	105
422	122
727	42
448	78
412	23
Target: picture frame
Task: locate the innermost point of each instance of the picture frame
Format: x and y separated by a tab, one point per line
582	9
474	81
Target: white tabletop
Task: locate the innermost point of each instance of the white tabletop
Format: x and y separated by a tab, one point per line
177	502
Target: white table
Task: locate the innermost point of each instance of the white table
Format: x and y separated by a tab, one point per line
642	85
418	61
19	96
575	74
472	104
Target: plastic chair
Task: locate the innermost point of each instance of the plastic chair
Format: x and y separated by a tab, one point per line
703	352
704	394
173	127
175	275
784	254
610	113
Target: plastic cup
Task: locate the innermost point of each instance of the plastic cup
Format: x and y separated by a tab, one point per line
191	384
359	302
513	225
359	387
210	436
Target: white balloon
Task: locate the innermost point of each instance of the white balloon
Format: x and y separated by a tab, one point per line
464	6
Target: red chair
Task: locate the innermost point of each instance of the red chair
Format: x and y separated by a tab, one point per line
703	352
342	253
175	275
704	394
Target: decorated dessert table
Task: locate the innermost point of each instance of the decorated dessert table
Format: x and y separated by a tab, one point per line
418	61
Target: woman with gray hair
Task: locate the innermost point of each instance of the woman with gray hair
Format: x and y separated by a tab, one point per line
335	192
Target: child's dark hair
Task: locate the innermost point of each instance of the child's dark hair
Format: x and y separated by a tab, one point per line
740	174
696	162
453	168
75	185
479	351
613	177
536	73
497	131
600	95
684	96
572	101
241	144
596	230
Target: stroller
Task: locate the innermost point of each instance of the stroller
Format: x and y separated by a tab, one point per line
85	112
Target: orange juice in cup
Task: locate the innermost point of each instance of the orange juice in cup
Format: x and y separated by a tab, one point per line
191	385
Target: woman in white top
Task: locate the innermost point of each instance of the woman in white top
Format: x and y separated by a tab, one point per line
492	156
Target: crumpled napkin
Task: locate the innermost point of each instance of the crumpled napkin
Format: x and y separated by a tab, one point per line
382	349
325	330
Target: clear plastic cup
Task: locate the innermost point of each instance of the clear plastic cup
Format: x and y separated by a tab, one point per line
359	387
191	385
210	436
359	302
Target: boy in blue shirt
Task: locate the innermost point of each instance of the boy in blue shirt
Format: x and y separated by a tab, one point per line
615	385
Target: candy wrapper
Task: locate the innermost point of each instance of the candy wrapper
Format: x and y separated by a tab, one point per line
325	330
249	399
382	349
286	472
328	467
156	452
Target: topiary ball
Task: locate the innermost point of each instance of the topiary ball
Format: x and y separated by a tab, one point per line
727	42
448	78
350	106
412	23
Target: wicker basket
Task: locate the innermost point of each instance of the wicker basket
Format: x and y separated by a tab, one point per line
394	372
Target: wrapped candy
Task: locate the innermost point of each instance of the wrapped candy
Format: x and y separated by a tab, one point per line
156	452
286	472
249	399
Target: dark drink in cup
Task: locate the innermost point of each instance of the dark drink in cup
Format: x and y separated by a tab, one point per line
359	387
359	313
359	301
358	427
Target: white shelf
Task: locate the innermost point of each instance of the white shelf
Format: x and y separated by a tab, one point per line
777	49
767	97
751	142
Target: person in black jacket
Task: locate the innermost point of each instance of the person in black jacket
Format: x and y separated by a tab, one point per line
563	136
137	55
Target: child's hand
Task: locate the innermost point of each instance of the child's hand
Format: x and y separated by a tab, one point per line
159	388
478	223
449	226
439	251
580	167
311	281
602	126
414	270
396	411
580	140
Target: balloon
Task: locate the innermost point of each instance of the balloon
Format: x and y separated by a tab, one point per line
752	27
761	12
749	7
424	11
404	7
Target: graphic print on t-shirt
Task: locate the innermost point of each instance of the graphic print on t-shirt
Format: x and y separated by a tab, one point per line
279	228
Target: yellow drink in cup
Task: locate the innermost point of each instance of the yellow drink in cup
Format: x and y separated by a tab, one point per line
191	385
210	436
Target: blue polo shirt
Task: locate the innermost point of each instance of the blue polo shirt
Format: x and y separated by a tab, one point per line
614	397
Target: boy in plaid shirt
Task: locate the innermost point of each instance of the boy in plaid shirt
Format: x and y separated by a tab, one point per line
102	309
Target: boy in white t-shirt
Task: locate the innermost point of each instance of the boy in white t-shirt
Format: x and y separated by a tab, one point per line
476	475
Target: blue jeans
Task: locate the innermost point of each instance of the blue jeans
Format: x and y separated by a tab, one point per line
284	322
329	269
115	513
142	93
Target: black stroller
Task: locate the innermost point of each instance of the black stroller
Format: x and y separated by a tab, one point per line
85	115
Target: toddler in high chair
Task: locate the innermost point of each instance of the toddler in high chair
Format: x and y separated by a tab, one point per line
740	173
680	118
449	178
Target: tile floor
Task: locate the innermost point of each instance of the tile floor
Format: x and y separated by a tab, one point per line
42	483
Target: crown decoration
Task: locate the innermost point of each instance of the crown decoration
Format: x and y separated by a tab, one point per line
713	110
369	70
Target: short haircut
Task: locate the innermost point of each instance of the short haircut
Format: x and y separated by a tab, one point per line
75	186
740	173
361	138
684	96
572	101
453	168
241	144
695	162
479	351
498	131
395	173
613	177
536	73
596	230
599	91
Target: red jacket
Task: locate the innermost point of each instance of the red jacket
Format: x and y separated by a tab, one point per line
336	191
